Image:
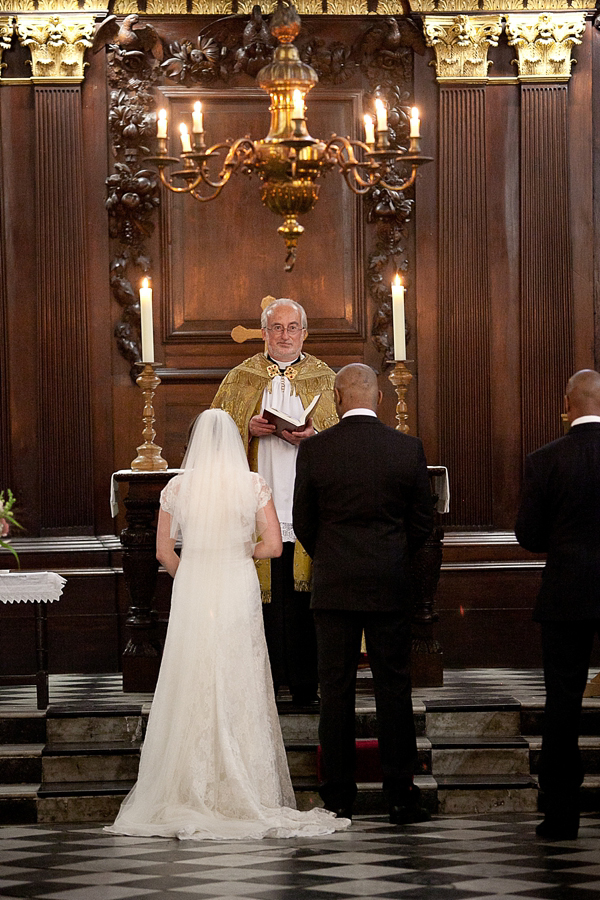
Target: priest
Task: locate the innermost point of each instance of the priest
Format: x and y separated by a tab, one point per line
286	379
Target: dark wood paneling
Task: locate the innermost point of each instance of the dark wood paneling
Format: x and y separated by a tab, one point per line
63	356
5	455
464	306
546	263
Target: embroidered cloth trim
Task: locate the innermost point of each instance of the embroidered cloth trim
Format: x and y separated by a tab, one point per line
31	587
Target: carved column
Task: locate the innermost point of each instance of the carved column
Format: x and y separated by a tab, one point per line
544	46
461	46
6	31
57	46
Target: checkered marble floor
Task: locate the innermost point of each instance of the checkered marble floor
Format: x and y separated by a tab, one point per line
466	685
476	857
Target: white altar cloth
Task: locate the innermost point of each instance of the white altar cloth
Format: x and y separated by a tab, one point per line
30	587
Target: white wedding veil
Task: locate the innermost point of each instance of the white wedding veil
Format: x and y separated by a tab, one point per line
215	507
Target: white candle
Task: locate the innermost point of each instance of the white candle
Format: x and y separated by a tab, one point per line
197	125
298	110
146	322
381	115
415	123
185	139
369	130
161	124
399	327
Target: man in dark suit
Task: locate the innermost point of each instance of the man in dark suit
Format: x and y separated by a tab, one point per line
560	515
362	506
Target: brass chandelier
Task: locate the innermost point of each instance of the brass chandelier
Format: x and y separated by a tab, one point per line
288	161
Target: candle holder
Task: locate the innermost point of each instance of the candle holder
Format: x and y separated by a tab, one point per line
401	378
148	458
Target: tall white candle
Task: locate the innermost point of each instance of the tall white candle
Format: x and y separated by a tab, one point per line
146	322
399	326
381	115
161	124
369	130
298	110
197	124
186	145
415	123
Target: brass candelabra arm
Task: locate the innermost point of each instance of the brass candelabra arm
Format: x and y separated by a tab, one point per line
191	175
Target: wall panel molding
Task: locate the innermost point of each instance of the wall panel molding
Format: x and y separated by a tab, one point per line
464	304
5	422
63	355
547	358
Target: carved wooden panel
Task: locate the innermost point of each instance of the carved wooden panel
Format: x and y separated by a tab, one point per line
546	266
63	358
232	252
5	455
464	305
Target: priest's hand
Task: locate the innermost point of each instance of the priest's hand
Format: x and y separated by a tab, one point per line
296	437
260	427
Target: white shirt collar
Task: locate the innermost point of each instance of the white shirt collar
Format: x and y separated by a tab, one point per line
583	419
359	411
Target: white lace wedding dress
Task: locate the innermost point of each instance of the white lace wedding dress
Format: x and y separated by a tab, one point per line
213	764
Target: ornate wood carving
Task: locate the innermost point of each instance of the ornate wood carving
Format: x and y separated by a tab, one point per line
544	44
461	45
5	421
231	52
464	303
546	267
6	32
57	44
63	364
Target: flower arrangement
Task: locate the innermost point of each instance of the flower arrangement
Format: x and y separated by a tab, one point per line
7	518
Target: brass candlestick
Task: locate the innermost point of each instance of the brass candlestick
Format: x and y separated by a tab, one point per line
148	458
401	378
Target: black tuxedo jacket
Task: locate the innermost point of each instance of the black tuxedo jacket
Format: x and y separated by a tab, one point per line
362	505
560	515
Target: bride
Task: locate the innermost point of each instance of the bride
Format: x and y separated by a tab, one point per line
213	764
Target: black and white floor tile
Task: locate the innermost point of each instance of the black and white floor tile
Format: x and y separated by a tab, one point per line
467	685
464	858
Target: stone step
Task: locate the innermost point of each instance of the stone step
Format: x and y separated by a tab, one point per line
452	718
22	728
20	763
459	795
94	726
107	761
480	756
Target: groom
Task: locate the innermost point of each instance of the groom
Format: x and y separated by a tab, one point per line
362	507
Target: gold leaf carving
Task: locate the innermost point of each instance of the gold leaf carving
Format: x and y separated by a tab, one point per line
458	6
6	33
166	7
347	7
53	6
57	44
125	7
309	7
266	7
544	44
461	45
419	6
213	7
394	7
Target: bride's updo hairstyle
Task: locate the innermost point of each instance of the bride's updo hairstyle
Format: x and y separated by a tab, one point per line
215	506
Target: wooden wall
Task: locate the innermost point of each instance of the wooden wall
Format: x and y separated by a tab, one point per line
497	245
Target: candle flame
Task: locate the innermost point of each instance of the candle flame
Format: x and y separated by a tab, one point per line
183	128
368	120
145	283
397	281
197	107
162	114
414	113
379	104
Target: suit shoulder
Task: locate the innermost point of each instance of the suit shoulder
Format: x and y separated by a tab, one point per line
550	450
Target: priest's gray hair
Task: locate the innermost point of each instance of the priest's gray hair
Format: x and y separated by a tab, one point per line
282	301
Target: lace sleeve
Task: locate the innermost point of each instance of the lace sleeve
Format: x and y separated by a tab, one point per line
262	490
168	495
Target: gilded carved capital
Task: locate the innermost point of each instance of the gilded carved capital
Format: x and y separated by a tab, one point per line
57	44
544	44
461	45
6	33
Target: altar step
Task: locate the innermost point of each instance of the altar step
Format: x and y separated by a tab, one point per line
69	765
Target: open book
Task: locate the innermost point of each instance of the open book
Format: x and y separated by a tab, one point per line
283	422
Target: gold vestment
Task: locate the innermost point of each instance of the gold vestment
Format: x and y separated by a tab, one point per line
240	394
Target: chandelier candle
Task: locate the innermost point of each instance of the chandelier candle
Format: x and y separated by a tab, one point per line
186	145
298	110
147	328
197	124
399	327
161	124
415	123
369	131
381	112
